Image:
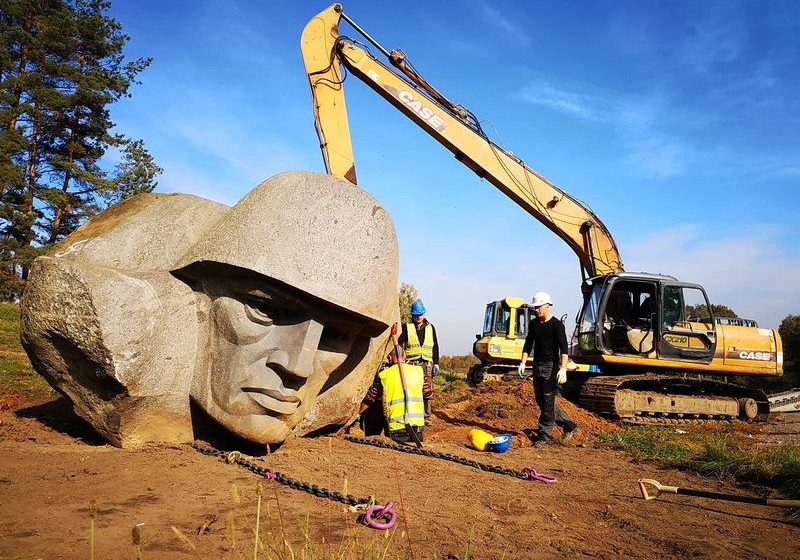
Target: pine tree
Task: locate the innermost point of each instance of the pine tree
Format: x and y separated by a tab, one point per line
790	335
61	66
136	173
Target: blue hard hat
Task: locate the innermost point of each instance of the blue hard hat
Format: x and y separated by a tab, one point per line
500	444
418	308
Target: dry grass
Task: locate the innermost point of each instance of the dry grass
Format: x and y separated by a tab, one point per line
725	451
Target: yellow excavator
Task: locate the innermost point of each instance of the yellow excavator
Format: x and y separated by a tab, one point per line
660	350
499	346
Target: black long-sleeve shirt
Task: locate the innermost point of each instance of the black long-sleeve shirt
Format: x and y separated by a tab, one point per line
546	341
421	336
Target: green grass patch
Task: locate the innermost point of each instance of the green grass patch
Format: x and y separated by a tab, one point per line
16	373
450	387
9	327
719	452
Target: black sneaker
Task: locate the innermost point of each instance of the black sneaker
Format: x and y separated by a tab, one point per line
541	442
570	434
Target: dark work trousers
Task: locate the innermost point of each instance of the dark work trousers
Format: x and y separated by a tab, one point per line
546	388
402	436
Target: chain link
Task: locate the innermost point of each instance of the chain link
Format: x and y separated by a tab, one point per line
234	457
446	456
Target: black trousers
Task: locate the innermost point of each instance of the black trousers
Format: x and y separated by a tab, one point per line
545	387
402	436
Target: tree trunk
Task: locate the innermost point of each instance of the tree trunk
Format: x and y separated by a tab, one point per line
59	215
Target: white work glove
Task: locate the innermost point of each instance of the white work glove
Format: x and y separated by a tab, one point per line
521	370
561	376
435	370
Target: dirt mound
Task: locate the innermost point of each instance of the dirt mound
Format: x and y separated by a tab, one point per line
11	400
504	407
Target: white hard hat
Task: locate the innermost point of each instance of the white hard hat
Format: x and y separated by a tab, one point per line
541	298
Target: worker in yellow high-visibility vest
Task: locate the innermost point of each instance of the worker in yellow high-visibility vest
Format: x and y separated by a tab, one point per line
419	341
388	388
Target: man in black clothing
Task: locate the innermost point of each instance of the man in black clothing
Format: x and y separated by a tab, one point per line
547	340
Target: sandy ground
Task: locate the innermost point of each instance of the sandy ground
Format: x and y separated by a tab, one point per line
56	479
783	428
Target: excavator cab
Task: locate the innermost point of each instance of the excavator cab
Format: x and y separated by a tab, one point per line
646	317
499	347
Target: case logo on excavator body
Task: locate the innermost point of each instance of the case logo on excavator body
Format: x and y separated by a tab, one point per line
751	355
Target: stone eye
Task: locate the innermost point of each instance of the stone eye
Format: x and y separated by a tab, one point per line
259	312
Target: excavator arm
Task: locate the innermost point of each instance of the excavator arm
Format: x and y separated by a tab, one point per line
326	53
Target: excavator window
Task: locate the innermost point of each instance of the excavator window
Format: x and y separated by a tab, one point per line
681	336
588	319
628	317
503	319
673	305
488	320
522	321
681	301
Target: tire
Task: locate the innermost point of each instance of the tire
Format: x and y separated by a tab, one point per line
475	374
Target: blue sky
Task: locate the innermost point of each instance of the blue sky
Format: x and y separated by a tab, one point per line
677	122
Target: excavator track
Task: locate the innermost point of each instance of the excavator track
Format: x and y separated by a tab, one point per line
672	398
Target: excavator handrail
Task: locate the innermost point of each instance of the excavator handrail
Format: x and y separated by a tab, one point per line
325	51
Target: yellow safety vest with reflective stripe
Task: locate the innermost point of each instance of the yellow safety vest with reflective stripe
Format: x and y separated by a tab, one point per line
394	408
415	350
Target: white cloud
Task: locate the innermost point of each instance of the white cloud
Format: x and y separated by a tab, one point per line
754	273
579	105
714	40
657	157
637	122
499	21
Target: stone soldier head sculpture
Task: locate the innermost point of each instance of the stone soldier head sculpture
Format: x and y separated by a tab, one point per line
270	315
295	286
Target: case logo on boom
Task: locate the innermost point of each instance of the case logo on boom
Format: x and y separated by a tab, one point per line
423	112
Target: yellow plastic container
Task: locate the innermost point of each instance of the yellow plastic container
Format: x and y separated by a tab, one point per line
479	439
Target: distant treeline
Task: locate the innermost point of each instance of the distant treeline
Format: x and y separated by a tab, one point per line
457	364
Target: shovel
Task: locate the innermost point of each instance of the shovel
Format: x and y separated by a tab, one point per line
411	432
658	488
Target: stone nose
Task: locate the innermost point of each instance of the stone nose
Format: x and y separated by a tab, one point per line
296	346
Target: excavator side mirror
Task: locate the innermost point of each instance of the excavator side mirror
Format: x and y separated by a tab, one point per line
564	318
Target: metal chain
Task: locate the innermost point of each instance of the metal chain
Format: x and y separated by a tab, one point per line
524	474
358	504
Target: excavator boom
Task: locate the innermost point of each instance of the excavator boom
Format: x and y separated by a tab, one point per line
326	52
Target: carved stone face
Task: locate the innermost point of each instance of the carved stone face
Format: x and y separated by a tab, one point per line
270	351
296	288
271	315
